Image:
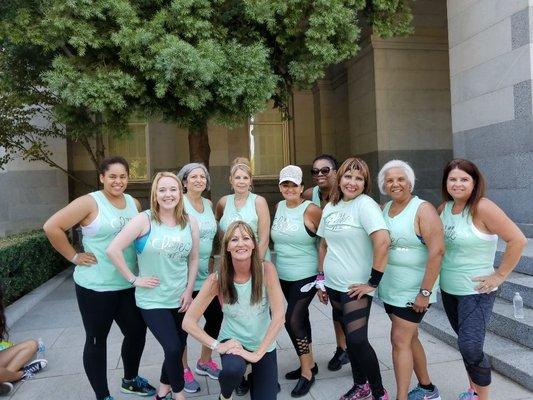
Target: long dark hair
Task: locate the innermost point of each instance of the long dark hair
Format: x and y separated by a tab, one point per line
479	183
227	271
3	323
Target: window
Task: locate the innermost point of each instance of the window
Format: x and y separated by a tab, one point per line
269	142
134	149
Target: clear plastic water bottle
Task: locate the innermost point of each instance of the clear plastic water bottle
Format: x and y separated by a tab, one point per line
518	305
40	348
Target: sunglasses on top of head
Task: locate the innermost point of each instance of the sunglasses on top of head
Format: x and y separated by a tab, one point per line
323	171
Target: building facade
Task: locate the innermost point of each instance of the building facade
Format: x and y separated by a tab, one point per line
459	86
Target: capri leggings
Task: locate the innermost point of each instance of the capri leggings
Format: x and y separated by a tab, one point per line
98	311
469	316
165	324
354	315
264	376
297	314
213	316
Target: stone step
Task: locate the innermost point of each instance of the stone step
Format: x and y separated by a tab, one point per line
507	357
504	324
525	264
518	282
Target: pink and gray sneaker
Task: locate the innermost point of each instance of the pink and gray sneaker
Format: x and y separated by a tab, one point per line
468	395
209	368
191	384
357	392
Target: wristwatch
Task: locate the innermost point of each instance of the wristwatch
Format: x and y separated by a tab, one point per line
425	293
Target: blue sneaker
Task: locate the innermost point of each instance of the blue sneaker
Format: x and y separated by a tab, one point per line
419	393
138	386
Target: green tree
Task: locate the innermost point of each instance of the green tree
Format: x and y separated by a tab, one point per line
187	61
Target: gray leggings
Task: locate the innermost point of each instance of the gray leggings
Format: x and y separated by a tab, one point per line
469	316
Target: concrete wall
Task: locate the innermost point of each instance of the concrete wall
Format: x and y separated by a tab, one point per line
393	101
32	191
490	44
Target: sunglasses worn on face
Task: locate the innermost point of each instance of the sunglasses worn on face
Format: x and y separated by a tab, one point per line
323	171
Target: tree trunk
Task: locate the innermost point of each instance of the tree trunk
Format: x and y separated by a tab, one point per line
199	149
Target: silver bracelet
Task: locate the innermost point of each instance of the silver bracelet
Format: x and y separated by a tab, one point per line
73	259
132	280
214	345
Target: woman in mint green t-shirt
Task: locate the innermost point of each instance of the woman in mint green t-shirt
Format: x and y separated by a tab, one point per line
252	304
353	250
295	242
102	292
410	280
243	205
166	240
468	280
195	178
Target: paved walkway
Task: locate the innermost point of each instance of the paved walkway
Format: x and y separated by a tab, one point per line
57	321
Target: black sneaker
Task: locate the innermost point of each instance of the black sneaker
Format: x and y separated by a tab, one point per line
338	360
303	386
32	368
5	388
293	375
243	387
138	386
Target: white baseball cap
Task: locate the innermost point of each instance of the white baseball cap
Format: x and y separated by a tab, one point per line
291	173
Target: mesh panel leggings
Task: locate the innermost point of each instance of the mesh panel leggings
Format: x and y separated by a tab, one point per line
297	314
98	311
354	316
469	316
165	324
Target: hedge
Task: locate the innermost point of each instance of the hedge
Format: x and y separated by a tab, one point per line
27	260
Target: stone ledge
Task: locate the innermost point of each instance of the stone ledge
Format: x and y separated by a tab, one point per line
20	307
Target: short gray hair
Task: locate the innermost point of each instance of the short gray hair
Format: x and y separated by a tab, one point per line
396	164
188	168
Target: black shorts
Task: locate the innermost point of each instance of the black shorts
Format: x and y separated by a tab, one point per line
406	313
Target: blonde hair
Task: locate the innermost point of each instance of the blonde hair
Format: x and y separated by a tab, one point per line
179	211
240	163
227	271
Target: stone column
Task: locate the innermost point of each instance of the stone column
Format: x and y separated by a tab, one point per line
490	74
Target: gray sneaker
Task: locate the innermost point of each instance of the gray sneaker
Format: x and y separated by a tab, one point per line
191	384
209	368
423	394
5	388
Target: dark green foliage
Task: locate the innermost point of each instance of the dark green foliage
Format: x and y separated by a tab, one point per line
27	260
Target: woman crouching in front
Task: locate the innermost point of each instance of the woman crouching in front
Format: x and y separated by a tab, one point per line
252	304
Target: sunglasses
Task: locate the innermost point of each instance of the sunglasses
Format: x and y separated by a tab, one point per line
323	171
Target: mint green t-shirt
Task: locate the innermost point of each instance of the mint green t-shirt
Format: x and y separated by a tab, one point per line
296	251
246	213
245	322
408	256
315	198
164	253
469	252
207	226
346	228
103	276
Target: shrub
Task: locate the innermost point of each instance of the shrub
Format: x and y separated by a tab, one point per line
27	260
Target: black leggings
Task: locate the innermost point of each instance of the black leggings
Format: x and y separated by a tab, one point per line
98	311
213	316
297	314
264	376
469	317
165	324
354	315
